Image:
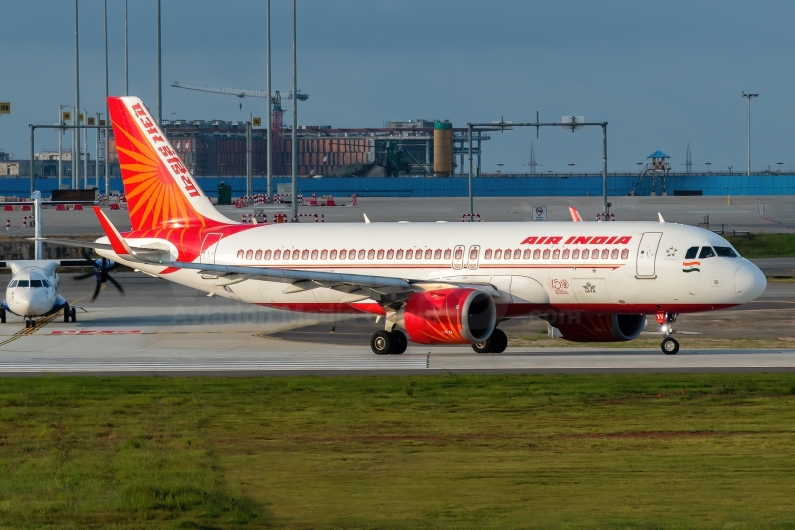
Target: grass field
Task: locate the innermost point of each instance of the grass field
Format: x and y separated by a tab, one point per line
765	245
590	451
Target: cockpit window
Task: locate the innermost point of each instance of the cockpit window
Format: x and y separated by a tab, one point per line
12	284
706	252
45	283
691	253
725	252
35	283
22	283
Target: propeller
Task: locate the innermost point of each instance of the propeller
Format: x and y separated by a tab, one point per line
101	272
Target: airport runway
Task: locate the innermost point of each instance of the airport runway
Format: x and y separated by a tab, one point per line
162	328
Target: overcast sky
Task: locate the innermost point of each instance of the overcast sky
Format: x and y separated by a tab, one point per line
661	73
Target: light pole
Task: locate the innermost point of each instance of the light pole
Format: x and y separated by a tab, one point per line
779	164
126	57
159	80
708	164
268	133
76	133
749	97
571	169
499	168
294	136
107	112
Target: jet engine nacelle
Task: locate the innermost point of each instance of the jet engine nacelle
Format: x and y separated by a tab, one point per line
448	316
601	328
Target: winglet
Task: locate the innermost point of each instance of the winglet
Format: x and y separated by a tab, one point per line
661	217
118	243
575	215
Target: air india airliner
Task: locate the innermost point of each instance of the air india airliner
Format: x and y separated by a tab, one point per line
432	283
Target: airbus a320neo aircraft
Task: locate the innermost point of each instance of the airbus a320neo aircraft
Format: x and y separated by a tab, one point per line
434	283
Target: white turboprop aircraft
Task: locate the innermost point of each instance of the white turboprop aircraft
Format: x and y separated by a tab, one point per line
435	283
33	291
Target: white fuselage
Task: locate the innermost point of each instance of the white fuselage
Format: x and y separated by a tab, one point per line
630	267
33	291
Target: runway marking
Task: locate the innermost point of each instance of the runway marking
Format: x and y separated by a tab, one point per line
779	222
185	365
96	332
39	324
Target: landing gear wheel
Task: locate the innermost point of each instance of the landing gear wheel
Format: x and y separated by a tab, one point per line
669	346
399	342
381	342
27	323
66	313
73	314
499	341
2	315
496	343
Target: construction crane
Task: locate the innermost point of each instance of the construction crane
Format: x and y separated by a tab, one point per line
277	114
240	92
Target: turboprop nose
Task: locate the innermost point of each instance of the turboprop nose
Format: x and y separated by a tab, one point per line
749	282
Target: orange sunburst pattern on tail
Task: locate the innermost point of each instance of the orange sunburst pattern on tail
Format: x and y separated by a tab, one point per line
157	185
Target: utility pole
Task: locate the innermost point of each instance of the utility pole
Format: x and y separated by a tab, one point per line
126	57
159	79
749	97
688	160
269	147
295	126
85	148
107	110
96	160
76	135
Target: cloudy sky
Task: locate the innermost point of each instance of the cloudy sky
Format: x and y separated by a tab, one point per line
663	74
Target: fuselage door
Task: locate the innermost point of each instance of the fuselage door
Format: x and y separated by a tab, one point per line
647	254
209	246
458	257
474	256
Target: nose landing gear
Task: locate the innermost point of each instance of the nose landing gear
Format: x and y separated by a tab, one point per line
30	323
669	345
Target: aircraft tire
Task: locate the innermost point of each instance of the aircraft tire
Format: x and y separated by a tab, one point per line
499	341
670	346
73	314
400	342
382	342
2	315
66	313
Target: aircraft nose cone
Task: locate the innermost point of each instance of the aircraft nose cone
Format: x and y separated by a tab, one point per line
19	305
749	282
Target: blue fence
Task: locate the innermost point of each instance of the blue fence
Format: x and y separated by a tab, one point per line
562	186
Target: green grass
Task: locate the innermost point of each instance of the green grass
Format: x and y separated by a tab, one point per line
765	245
524	451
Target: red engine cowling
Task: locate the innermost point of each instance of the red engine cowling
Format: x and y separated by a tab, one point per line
601	328
448	316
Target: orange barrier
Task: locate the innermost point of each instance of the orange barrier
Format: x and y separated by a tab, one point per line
78	207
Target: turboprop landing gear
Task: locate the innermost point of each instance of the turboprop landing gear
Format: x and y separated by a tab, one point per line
30	323
496	343
2	315
669	345
388	342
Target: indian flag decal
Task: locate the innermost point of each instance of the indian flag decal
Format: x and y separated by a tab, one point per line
691	266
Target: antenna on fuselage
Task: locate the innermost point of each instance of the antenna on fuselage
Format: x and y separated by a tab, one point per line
661	217
366	219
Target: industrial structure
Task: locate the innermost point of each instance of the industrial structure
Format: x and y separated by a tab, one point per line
218	148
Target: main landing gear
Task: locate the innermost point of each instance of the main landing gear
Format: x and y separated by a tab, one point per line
496	343
69	313
669	345
388	342
2	315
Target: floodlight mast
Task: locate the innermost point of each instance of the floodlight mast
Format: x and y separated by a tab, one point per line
569	122
749	97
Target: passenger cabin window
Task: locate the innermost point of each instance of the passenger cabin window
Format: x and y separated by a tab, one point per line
324	254
691	253
380	254
267	254
706	252
526	254
536	254
314	254
390	254
240	254
725	252
447	254
399	254
625	253
277	254
22	283
575	254
36	283
497	253
258	255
